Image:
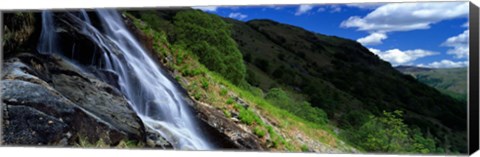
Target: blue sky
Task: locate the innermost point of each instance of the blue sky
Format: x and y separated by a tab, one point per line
421	34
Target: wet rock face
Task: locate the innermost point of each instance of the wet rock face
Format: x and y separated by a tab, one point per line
49	101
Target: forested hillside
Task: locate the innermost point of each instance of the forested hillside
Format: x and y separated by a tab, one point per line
185	79
323	80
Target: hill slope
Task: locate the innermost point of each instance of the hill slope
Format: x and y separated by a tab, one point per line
343	77
451	81
337	75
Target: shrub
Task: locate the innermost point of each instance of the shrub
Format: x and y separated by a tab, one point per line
304	148
209	37
246	116
302	109
230	101
204	83
259	131
223	92
227	113
388	133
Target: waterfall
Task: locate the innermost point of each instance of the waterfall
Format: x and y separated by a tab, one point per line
48	37
153	96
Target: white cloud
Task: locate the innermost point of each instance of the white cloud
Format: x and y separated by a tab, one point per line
399	57
466	24
207	8
303	9
335	9
366	5
332	8
373	39
459	45
406	16
445	64
239	16
321	9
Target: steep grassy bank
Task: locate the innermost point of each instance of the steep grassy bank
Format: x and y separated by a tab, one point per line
277	128
302	90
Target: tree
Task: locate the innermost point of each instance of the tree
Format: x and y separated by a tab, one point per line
209	37
388	133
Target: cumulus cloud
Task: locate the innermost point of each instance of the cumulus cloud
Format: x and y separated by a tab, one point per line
373	39
458	44
332	8
238	16
366	5
335	9
302	9
207	8
406	16
445	64
399	57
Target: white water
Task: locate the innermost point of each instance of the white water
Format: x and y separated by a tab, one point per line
153	96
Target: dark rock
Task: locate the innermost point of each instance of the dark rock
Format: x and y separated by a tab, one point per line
39	86
228	134
26	125
241	102
155	140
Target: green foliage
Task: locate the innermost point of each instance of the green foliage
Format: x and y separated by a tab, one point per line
223	92
230	101
302	109
246	116
259	131
305	148
205	83
388	133
227	113
208	36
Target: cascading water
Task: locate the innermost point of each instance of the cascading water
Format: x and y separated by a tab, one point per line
153	96
47	44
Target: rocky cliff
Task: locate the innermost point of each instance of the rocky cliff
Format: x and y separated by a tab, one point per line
63	100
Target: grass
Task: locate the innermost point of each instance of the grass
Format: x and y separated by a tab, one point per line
215	91
259	132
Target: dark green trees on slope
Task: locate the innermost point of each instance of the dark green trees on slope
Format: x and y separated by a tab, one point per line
345	79
336	77
209	38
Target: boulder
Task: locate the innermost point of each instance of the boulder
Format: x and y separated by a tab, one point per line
38	89
227	133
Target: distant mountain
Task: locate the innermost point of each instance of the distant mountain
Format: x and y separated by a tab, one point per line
408	69
451	81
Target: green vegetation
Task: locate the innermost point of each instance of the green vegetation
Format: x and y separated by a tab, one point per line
388	133
344	79
208	37
450	81
305	148
302	109
259	132
299	83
